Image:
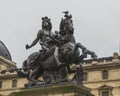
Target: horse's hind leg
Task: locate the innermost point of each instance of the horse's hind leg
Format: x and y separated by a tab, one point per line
61	74
78	77
34	75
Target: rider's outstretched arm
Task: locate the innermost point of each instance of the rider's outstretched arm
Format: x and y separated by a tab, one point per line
35	41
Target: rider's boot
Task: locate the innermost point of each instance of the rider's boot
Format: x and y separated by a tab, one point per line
57	57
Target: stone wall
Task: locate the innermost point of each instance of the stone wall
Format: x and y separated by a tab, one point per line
55	90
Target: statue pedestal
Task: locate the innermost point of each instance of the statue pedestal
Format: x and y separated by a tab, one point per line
54	90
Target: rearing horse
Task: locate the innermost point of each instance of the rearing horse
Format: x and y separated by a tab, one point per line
69	50
68	53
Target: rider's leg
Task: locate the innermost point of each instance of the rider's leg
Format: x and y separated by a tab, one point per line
57	57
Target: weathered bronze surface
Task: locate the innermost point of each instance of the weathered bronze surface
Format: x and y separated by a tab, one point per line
59	51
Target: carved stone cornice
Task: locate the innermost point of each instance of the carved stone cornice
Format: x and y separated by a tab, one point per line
98	66
7	62
8	76
100	81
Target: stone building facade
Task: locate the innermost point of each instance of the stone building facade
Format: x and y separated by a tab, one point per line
9	81
102	76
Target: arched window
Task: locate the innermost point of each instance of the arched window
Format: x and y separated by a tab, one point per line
0	84
85	76
105	74
14	83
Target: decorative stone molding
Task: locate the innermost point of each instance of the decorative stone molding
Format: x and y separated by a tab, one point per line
94	62
7	62
115	55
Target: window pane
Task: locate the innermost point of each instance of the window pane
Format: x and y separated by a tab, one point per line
14	83
105	93
0	84
105	74
85	76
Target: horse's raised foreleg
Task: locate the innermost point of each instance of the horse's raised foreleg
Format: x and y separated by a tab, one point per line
86	51
79	45
93	55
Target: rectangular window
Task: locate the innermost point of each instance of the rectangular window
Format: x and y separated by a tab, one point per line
14	83
105	74
0	84
85	76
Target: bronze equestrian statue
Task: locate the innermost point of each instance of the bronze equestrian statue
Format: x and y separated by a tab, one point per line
45	63
44	37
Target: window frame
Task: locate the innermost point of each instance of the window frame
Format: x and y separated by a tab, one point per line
14	83
85	76
105	88
104	91
0	84
105	74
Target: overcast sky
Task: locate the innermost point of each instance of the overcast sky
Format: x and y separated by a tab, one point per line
96	23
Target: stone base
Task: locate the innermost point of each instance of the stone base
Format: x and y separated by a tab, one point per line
56	90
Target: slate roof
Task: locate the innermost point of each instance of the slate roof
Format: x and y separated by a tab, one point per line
4	51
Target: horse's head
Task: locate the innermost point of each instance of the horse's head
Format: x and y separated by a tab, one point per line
46	23
66	25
